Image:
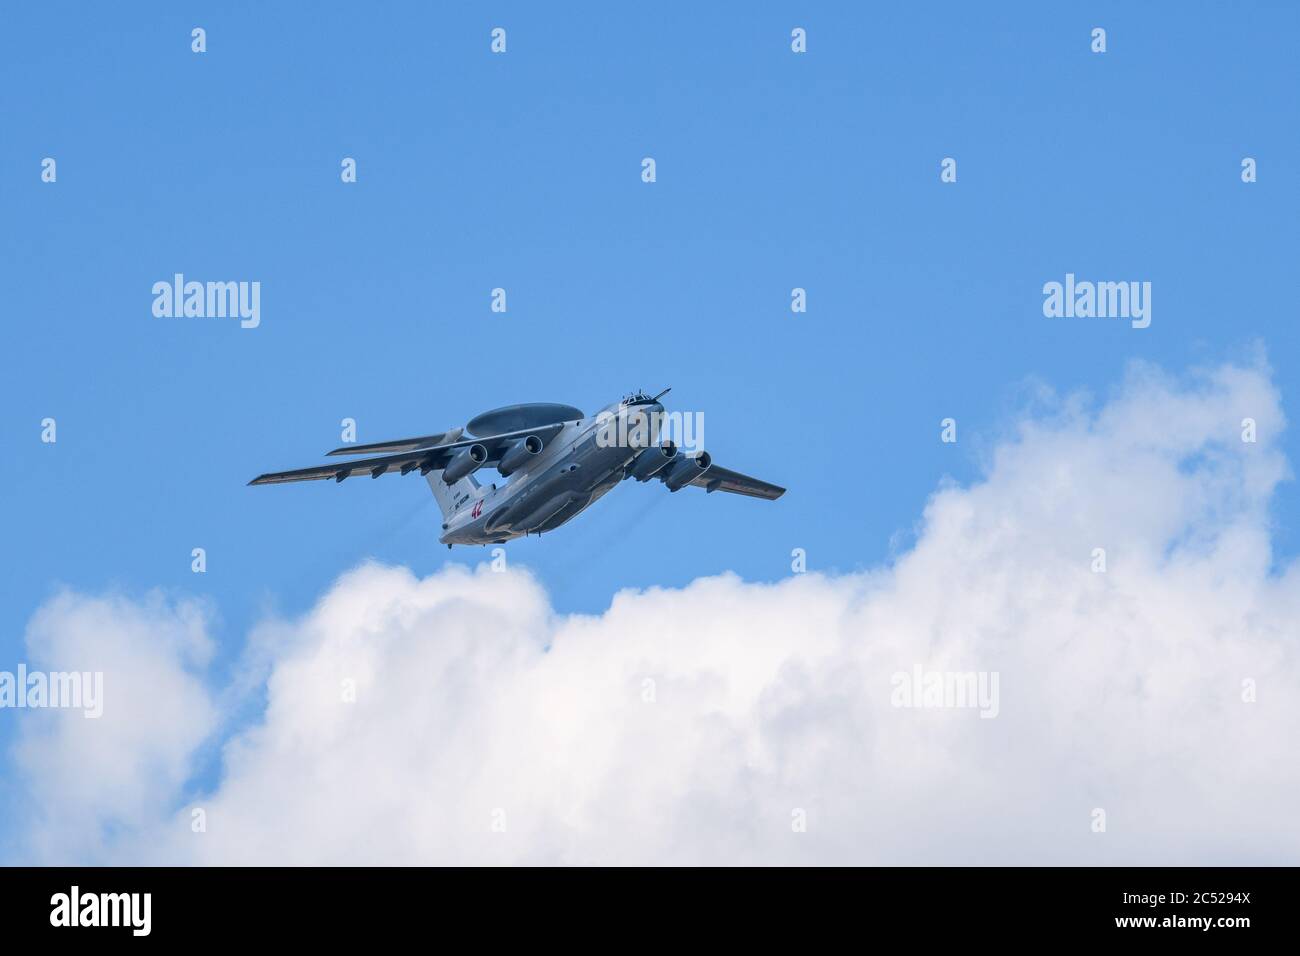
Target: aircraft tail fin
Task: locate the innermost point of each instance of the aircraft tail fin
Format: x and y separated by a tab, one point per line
459	494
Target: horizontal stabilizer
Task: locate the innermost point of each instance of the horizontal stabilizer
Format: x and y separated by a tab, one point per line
402	444
403	462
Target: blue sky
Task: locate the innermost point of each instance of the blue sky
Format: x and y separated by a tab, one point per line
522	171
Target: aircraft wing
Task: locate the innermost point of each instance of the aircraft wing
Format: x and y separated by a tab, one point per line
402	444
724	479
425	459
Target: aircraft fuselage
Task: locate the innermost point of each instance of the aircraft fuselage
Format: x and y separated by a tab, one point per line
570	474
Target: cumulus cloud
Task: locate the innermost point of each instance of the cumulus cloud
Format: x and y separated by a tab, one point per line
735	722
88	780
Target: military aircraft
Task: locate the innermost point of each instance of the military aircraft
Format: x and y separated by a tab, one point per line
558	462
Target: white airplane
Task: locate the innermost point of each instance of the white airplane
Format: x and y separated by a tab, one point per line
557	460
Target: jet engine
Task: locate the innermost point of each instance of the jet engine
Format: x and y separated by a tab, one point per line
519	453
652	461
685	469
467	461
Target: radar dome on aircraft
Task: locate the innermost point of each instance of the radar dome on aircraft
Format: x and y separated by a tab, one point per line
515	418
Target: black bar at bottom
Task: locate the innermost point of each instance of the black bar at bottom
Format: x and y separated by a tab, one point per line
927	905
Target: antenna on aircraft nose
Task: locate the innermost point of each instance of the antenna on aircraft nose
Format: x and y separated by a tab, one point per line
662	394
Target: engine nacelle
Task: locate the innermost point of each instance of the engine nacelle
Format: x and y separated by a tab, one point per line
519	453
652	461
685	469
467	461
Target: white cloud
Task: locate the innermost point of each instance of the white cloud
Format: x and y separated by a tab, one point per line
1120	690
88	780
